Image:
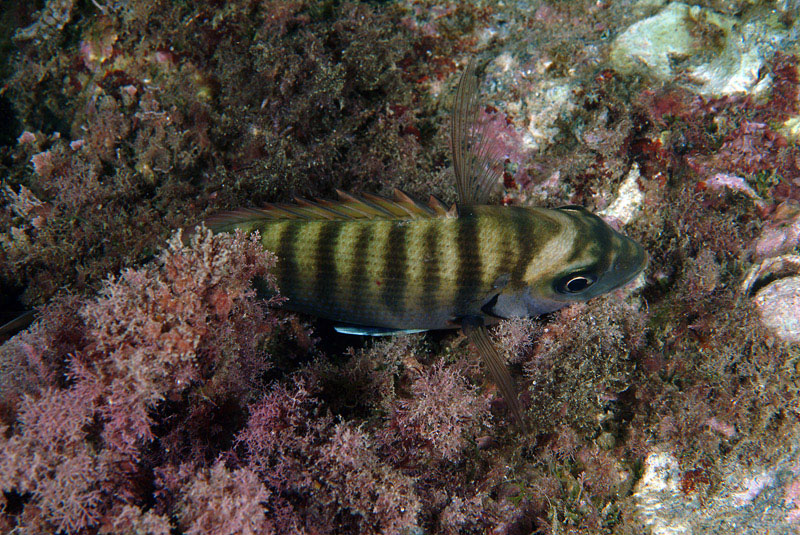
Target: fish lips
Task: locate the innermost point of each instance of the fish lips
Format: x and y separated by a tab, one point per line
631	260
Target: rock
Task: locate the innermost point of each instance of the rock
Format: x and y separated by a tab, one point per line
768	270
752	498
629	201
775	285
781	234
549	100
712	53
660	503
779	305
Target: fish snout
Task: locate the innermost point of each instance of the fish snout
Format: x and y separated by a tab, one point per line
630	261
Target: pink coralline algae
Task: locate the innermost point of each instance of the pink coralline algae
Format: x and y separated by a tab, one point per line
219	500
299	455
50	455
156	331
151	335
420	427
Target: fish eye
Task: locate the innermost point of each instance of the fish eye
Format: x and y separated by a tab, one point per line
575	283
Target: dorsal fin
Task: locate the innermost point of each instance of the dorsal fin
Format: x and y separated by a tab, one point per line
347	207
437	205
476	154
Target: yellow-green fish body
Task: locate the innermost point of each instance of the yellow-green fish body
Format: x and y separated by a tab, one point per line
431	270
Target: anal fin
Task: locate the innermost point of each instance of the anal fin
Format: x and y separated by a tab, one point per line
361	330
478	334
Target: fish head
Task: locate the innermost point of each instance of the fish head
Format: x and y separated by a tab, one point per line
589	258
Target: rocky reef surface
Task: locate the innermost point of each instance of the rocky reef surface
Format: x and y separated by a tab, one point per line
155	393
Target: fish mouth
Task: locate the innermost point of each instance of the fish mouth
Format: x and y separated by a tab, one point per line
631	260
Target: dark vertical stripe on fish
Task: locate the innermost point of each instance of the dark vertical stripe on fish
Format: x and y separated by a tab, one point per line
287	258
326	278
358	276
394	276
602	243
527	243
469	262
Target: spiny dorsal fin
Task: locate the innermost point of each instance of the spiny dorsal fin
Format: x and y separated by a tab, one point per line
476	154
438	206
347	207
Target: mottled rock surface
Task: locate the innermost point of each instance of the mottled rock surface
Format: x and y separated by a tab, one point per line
751	499
779	306
713	53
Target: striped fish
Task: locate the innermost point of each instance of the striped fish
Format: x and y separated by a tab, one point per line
381	266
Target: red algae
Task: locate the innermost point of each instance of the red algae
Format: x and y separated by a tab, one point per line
157	392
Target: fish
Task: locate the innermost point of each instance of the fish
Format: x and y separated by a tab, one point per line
377	266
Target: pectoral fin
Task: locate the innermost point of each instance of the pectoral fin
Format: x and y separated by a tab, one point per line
17	324
477	333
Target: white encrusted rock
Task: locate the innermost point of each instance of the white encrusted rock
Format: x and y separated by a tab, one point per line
778	304
775	281
714	54
660	503
630	197
762	497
